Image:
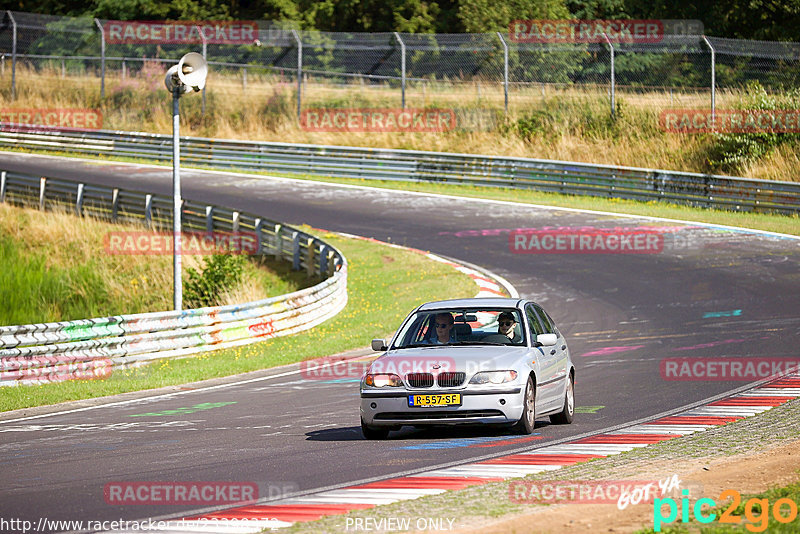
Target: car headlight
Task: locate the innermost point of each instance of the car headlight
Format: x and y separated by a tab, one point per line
493	377
383	380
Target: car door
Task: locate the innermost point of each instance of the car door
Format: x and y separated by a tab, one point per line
548	389
559	352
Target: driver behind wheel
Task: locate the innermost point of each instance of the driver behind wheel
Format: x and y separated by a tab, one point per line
506	324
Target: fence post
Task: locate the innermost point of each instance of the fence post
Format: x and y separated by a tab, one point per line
13	55
3	186
299	71
505	68
402	68
205	49
713	84
209	219
611	50
102	58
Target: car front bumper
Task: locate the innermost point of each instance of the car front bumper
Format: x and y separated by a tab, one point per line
390	408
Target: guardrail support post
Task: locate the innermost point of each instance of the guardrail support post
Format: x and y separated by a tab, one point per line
257	229
278	241
235	221
114	203
299	71
102	58
42	185
310	267
323	260
613	80
209	219
79	201
296	251
3	186
148	210
713	84
505	68
13	55
402	69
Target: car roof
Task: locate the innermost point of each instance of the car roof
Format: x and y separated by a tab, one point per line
492	302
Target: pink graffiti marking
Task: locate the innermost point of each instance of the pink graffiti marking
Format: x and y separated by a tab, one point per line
611	350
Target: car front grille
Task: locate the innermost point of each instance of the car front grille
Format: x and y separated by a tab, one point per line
437	414
451	379
420	380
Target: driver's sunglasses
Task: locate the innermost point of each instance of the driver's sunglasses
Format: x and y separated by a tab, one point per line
442	325
506	323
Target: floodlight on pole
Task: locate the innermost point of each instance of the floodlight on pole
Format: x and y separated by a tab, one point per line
189	75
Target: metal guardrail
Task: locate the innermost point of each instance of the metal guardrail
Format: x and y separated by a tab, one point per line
703	190
93	347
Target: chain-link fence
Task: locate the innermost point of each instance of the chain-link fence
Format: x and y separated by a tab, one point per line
332	69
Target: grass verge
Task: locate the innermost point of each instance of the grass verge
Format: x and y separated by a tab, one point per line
56	268
384	284
473	506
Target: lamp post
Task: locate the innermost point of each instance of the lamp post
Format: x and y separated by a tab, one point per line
188	75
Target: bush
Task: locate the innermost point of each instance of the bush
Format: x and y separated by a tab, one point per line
732	151
220	273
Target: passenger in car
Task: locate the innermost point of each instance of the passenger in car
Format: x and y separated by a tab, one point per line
506	324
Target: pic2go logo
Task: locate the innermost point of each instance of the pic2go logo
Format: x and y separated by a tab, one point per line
756	511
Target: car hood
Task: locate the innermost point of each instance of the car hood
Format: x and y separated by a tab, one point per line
469	359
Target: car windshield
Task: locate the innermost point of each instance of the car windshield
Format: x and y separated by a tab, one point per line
470	326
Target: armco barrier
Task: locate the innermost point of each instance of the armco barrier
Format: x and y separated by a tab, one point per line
91	347
702	190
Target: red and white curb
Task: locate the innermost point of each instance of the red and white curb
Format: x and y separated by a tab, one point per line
286	512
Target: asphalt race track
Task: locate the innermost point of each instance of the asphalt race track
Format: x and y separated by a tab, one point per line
706	293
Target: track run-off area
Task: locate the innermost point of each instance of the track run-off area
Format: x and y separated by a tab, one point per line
651	321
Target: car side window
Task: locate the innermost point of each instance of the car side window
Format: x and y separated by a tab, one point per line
536	326
547	321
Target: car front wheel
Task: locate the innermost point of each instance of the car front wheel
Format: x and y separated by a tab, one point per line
564	417
528	420
374	432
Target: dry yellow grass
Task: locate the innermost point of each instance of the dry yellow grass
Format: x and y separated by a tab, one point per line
265	110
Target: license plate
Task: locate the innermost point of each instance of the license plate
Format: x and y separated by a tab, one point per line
423	401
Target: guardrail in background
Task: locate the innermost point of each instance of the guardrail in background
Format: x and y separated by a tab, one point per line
92	347
704	190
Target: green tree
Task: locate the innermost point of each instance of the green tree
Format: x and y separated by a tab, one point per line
480	16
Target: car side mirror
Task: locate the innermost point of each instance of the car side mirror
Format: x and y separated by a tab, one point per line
546	340
379	345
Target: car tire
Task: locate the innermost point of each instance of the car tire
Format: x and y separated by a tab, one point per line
374	432
528	420
564	417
